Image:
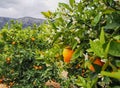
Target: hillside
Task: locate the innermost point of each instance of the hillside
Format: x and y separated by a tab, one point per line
27	21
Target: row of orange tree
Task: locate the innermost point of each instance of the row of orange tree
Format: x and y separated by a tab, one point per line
86	32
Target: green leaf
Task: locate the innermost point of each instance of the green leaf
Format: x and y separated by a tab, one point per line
94	81
96	19
112	25
47	14
89	50
74	45
111	74
56	36
80	7
2	44
108	11
114	48
72	2
105	65
113	67
116	87
65	6
97	48
102	37
116	37
81	81
117	63
88	84
76	53
107	49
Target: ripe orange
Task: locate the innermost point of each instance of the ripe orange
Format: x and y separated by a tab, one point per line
67	54
33	39
13	43
40	67
92	68
37	67
8	60
97	62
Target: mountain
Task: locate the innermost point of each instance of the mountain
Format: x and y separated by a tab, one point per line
26	21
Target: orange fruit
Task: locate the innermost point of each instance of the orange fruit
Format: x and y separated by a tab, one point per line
8	60
40	67
98	62
67	54
37	67
33	39
13	43
92	68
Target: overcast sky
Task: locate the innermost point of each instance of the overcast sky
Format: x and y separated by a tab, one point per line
32	8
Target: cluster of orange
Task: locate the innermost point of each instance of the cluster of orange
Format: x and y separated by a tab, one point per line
98	62
68	53
37	67
32	39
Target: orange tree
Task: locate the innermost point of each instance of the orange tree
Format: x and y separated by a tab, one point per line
20	51
90	28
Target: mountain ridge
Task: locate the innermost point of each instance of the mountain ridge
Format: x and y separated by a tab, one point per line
26	21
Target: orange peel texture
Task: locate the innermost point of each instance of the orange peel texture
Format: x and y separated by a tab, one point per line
67	54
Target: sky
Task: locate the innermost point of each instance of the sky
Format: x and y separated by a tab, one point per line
29	8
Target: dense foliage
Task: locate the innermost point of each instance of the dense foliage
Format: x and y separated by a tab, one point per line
32	58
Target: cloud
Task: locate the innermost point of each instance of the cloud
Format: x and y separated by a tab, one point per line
21	8
7	3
